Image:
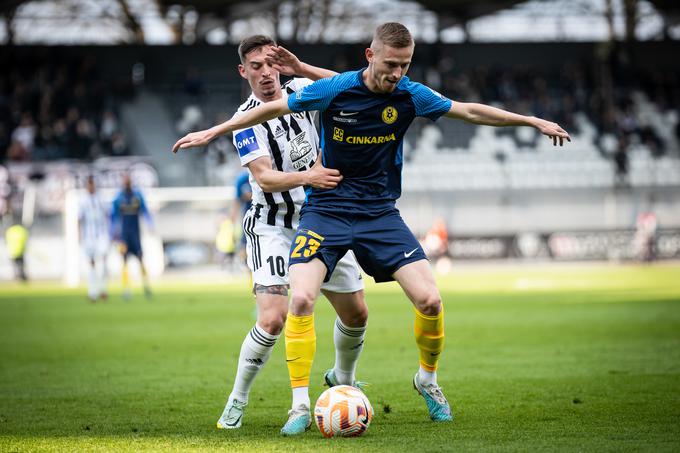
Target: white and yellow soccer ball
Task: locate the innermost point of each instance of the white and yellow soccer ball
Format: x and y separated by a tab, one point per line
343	411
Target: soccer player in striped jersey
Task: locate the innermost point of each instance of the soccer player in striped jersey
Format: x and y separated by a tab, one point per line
364	117
281	157
94	236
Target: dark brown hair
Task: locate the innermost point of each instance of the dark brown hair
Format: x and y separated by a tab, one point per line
251	43
393	34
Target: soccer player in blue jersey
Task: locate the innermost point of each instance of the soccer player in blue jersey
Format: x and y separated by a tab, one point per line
364	117
128	205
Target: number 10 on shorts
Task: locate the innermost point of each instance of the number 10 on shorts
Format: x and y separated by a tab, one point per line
306	244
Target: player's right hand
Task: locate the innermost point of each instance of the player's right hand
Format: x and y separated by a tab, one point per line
200	138
321	177
283	60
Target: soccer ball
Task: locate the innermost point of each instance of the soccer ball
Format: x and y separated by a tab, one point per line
343	411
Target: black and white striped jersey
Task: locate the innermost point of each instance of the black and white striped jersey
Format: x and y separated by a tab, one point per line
292	143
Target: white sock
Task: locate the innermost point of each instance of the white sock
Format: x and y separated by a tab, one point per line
102	275
427	377
92	287
300	396
255	351
349	341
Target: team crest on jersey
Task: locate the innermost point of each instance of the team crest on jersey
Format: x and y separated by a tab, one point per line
389	115
300	151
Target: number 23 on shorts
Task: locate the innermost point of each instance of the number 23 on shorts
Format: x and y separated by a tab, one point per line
306	244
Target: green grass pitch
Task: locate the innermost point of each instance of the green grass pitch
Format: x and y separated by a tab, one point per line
565	358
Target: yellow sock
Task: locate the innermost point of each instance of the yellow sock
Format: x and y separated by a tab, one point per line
429	333
300	348
124	276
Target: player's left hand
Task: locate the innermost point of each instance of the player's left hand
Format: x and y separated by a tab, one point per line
200	138
283	61
552	130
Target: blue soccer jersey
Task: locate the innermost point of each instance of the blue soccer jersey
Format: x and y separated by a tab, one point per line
362	136
125	212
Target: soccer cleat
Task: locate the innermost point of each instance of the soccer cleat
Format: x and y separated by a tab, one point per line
332	381
232	416
147	293
299	421
439	408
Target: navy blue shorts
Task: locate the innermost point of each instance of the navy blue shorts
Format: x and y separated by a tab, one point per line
133	246
382	244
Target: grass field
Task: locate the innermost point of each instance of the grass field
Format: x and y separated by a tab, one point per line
580	358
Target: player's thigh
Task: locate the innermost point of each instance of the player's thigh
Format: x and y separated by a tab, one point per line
417	281
384	244
305	280
267	249
321	236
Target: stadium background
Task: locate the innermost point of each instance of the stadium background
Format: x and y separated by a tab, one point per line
107	87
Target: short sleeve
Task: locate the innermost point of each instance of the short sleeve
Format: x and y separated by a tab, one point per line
428	102
250	143
297	84
318	95
311	97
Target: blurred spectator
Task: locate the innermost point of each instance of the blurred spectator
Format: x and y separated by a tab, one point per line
16	238
193	82
621	162
25	132
436	242
52	111
119	146
644	240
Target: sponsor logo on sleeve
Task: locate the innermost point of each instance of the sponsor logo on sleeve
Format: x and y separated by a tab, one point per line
246	142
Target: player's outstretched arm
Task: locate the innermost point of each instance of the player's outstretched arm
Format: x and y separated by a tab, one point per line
259	114
271	180
288	64
492	116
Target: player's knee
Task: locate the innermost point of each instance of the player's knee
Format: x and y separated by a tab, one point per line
429	304
357	317
302	302
272	323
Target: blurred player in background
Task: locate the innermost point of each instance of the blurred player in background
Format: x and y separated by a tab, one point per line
16	238
241	205
365	115
280	156
94	236
127	207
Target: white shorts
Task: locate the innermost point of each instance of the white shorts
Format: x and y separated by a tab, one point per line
268	247
96	247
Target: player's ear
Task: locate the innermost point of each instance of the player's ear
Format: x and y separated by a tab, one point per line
369	54
242	71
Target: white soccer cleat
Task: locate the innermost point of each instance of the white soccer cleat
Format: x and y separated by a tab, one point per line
299	421
232	416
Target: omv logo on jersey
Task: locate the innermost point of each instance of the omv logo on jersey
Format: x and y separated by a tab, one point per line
246	142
